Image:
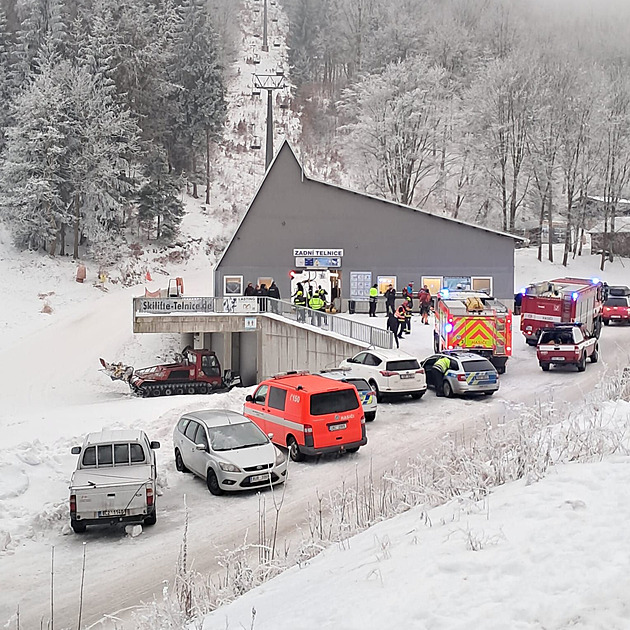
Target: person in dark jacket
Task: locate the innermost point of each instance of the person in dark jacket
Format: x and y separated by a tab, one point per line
249	289
390	300
400	317
262	294
274	292
392	324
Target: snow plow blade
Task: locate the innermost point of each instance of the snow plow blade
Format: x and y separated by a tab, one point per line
117	371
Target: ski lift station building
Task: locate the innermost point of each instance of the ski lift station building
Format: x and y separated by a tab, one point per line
299	228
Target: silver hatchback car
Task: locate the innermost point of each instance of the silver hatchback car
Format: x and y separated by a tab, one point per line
227	450
468	373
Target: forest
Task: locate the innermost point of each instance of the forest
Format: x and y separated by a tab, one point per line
503	113
508	114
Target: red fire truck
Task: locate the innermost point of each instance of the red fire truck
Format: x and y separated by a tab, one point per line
564	300
473	321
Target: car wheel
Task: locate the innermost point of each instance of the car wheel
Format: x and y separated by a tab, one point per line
213	483
151	519
78	528
418	395
179	462
191	390
545	367
374	386
595	355
179	391
294	450
354	449
501	370
370	416
168	391
581	366
436	343
447	389
203	389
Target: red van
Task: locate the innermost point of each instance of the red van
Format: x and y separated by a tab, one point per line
309	414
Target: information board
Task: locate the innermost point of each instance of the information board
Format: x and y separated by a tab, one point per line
360	283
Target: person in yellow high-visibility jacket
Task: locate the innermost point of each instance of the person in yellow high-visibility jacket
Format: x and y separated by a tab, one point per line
440	367
316	303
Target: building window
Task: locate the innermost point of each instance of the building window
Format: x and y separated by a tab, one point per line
384	282
482	283
457	283
232	285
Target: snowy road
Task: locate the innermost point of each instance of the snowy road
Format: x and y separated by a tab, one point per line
121	572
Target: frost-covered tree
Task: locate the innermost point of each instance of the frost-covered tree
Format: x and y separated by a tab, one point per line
500	107
199	77
395	126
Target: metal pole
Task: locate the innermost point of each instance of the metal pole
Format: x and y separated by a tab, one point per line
269	145
265	46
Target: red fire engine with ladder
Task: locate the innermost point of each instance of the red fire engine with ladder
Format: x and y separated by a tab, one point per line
473	321
564	300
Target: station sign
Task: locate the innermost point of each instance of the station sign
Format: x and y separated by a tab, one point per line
315	253
318	262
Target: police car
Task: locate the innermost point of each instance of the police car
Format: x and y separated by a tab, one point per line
468	373
366	394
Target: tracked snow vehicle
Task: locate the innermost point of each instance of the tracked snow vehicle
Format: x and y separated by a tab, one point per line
193	372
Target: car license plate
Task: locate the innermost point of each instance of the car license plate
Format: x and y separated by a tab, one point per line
615	316
255	478
337	427
406	376
559	359
111	513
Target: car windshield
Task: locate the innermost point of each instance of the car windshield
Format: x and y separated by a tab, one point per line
233	436
360	383
402	364
477	365
616	301
556	336
333	402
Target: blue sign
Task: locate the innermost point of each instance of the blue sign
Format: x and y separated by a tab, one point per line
314	262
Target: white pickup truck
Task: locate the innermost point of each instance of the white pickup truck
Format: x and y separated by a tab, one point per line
115	480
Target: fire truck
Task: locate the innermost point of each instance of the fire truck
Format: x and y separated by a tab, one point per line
564	300
476	322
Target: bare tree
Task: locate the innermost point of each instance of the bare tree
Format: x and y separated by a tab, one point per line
396	118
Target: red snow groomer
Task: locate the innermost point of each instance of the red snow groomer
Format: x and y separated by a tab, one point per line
564	300
193	372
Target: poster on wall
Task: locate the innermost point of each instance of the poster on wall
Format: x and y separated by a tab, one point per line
456	283
384	282
232	285
360	283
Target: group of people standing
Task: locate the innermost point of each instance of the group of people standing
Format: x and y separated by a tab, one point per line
315	299
399	319
262	292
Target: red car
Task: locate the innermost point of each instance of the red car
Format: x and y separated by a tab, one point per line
567	344
616	309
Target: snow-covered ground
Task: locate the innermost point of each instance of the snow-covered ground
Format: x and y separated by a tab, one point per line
537	566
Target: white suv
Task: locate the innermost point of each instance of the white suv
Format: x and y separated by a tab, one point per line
389	372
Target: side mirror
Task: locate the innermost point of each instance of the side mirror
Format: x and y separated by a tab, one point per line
249	398
270	436
75	450
200	447
155	445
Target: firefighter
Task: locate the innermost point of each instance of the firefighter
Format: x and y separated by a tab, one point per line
322	294
317	305
408	313
373	299
401	319
299	299
440	367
